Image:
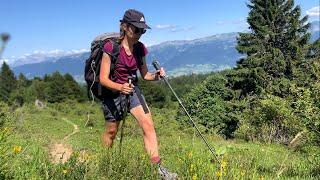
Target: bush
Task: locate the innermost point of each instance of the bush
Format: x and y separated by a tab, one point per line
270	119
212	103
4	113
155	93
305	102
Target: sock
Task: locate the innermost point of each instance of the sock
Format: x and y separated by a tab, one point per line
156	160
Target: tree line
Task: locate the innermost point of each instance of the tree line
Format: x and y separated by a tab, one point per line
57	88
52	88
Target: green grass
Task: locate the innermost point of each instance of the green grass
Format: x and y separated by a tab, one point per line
181	149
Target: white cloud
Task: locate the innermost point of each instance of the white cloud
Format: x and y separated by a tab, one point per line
79	51
173	28
182	29
165	26
55	53
314	12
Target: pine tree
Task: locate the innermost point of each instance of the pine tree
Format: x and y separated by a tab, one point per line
8	82
278	38
56	90
22	81
36	90
75	91
19	95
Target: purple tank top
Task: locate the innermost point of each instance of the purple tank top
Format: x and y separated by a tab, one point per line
127	65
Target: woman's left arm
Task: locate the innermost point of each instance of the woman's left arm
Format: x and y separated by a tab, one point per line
148	75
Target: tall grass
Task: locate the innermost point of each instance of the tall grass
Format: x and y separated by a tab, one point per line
25	153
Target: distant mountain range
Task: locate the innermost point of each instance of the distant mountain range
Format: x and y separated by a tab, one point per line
202	55
178	57
197	56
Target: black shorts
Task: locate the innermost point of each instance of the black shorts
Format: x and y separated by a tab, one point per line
113	107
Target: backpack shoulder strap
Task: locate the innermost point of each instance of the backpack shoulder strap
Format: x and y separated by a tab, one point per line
115	52
139	51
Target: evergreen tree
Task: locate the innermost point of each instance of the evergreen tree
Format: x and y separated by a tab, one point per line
75	91
278	38
8	82
22	81
18	96
56	88
36	90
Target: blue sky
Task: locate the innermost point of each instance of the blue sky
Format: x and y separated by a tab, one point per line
39	26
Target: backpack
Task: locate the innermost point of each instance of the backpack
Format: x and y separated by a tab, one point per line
93	63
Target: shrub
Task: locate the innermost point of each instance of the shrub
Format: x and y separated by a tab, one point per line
212	104
4	113
270	119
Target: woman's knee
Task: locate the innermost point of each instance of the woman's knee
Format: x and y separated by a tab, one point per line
111	130
111	133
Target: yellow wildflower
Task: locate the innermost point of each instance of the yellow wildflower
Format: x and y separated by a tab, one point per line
194	177
224	164
65	171
76	153
242	173
17	149
83	156
218	174
191	167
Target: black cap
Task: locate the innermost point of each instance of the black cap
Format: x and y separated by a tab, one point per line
135	18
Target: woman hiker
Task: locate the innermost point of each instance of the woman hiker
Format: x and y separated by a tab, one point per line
130	59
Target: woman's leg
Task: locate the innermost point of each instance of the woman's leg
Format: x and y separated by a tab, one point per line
149	133
150	140
111	129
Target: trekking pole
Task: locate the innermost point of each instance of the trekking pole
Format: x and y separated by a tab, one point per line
125	113
157	66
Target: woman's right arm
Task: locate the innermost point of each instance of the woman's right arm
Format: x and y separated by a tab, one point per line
105	80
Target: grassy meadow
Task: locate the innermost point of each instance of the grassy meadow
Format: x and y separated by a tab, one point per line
54	143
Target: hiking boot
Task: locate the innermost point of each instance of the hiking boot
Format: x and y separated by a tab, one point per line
166	175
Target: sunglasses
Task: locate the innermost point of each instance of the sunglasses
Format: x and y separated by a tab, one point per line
138	30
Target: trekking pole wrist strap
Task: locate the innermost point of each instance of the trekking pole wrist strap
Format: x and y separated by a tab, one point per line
156	77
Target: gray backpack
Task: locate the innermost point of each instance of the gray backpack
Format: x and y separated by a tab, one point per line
93	63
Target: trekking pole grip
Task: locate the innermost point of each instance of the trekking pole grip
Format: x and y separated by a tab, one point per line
130	80
156	65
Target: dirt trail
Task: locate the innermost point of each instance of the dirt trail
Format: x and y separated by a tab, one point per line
60	152
75	129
